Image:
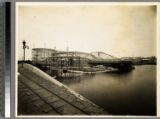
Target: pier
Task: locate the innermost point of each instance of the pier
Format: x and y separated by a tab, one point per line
40	94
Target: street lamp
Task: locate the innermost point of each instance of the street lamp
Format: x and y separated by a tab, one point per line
24	47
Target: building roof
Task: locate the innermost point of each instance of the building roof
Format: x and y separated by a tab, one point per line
44	49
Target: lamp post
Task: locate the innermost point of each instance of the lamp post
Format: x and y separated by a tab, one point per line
24	47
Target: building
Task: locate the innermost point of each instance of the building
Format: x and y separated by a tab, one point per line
39	55
56	58
69	59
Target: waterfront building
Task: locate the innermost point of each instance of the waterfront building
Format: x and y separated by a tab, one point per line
54	58
39	55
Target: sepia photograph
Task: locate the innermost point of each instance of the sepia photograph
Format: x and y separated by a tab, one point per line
86	59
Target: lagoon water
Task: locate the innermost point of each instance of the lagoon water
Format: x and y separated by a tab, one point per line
132	93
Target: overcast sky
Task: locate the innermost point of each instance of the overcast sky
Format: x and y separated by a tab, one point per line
119	30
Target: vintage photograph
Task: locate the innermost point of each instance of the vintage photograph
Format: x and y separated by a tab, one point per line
86	59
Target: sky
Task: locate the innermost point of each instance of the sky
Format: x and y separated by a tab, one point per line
119	30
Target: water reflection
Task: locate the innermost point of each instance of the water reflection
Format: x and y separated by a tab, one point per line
131	93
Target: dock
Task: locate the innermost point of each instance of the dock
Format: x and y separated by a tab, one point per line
41	94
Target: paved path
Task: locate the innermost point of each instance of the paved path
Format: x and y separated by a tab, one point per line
39	94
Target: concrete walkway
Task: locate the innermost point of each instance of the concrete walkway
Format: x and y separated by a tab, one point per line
40	94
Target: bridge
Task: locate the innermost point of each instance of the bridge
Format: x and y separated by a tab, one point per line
103	56
111	61
118	64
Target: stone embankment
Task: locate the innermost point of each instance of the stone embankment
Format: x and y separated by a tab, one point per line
41	94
